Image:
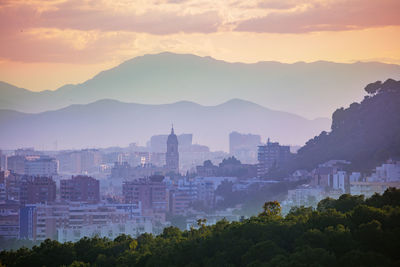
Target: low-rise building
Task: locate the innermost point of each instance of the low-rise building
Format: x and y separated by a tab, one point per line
304	196
111	231
387	172
72	221
369	188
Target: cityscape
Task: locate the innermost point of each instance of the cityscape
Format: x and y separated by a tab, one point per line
199	133
67	195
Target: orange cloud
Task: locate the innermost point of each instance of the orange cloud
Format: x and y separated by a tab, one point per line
88	31
54	45
95	31
94	16
337	15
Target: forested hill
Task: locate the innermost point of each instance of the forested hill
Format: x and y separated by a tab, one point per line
366	133
349	231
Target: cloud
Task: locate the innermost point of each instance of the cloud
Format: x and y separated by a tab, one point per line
63	46
96	15
95	30
89	30
153	21
177	1
278	4
333	15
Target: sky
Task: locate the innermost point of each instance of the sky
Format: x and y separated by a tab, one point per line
45	44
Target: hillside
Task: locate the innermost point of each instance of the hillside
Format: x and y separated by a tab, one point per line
109	122
349	232
366	133
308	89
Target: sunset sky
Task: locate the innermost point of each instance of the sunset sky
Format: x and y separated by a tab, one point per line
46	44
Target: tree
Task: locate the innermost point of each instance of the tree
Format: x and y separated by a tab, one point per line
366	133
79	264
201	222
271	209
373	88
357	234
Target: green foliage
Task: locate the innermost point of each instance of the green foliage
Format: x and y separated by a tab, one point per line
79	264
349	231
14	244
271	209
177	221
254	198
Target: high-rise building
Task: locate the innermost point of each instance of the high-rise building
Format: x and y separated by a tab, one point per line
43	166
11	181
16	164
80	188
30	151
125	171
32	165
80	162
37	190
244	146
70	162
150	192
271	155
3	161
172	155
9	220
157	159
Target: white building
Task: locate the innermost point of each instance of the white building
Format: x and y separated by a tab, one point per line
340	181
72	220
304	196
133	228
355	177
369	188
388	172
245	185
43	166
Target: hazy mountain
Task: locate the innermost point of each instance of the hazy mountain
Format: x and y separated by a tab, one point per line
109	122
366	133
309	89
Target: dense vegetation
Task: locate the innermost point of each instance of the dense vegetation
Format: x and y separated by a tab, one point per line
366	133
251	200
349	231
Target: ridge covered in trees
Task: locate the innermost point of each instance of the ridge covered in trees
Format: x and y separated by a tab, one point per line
366	133
350	231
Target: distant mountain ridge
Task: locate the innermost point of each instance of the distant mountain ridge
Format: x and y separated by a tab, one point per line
110	122
308	89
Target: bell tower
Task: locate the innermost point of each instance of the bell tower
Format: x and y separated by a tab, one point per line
172	155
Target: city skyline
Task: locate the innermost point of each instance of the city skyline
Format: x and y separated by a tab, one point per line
199	133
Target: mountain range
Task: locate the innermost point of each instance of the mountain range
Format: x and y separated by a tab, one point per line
111	122
308	89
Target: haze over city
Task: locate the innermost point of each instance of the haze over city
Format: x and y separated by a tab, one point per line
199	133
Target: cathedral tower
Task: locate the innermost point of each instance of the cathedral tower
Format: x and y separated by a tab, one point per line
172	155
